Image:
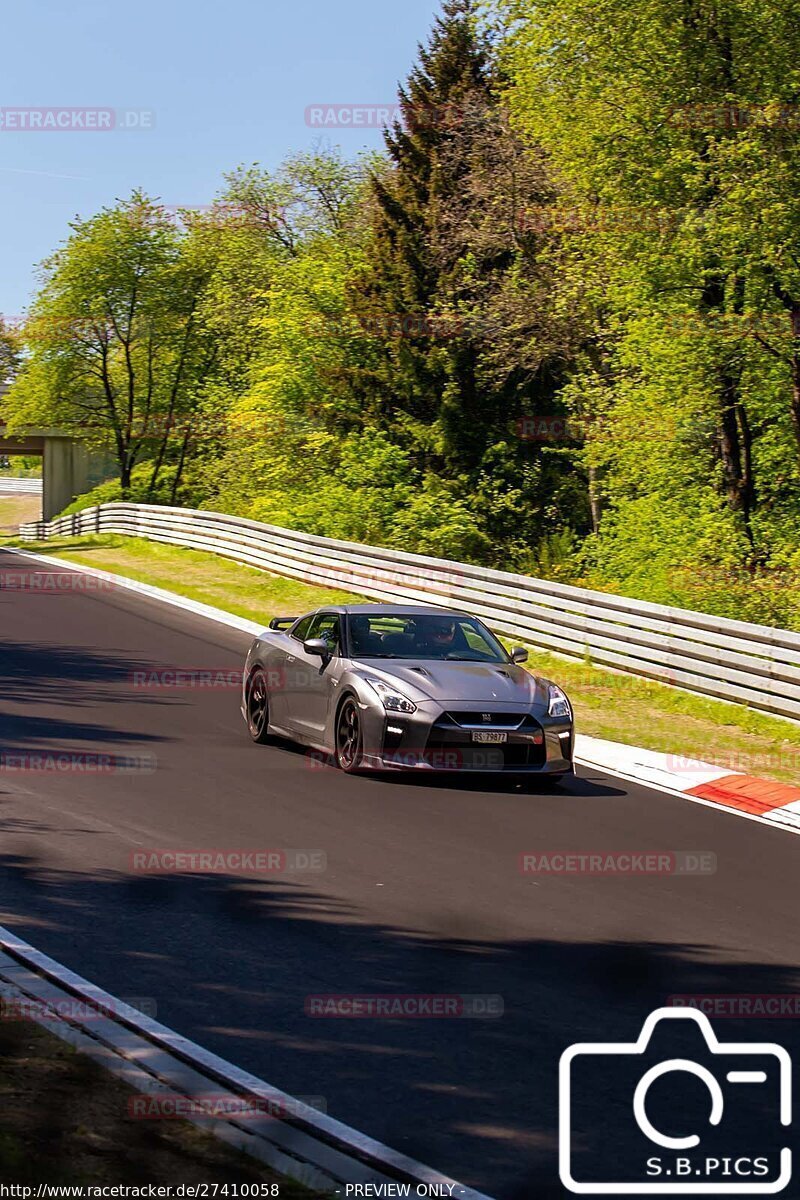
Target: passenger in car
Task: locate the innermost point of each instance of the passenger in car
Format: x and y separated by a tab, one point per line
363	640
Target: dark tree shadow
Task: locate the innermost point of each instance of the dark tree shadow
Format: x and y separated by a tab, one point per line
231	963
50	672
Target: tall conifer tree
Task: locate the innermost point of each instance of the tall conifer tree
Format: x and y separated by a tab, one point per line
456	295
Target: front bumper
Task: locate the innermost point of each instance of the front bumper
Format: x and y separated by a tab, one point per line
441	738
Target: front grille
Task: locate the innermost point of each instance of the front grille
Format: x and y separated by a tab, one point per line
477	719
450	745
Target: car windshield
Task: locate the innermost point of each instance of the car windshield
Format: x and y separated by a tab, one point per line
423	636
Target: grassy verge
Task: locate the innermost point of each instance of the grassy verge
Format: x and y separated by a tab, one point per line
16	510
193	573
66	1121
607	705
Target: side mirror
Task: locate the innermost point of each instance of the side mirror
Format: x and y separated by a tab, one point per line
317	646
519	654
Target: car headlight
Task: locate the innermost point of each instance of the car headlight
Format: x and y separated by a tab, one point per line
558	704
393	700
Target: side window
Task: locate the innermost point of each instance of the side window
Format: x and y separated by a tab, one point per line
326	625
302	627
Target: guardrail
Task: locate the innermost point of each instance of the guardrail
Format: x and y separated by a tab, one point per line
9	483
753	665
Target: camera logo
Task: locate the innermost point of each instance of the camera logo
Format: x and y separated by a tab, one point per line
693	1124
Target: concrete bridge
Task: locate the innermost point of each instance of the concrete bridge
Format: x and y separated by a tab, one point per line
68	469
65	464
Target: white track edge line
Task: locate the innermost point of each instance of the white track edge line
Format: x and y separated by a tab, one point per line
197	607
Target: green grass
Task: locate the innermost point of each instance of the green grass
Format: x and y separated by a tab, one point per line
238	589
619	707
16	510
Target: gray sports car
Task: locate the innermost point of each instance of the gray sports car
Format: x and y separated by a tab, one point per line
399	687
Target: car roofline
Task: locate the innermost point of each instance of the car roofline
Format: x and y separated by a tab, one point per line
381	609
394	610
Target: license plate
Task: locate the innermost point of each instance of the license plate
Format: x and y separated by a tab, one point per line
485	736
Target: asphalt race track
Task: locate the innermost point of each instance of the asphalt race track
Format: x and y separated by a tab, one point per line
423	893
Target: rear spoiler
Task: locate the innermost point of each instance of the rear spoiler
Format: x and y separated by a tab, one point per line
282	622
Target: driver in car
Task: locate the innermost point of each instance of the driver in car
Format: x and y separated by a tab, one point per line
437	637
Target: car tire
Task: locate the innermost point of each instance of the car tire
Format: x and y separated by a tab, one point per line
257	707
349	738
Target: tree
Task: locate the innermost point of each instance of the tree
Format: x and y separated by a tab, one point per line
115	351
294	402
398	297
682	122
261	222
458	293
9	354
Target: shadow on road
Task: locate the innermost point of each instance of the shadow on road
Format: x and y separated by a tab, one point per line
43	669
63	679
232	963
462	781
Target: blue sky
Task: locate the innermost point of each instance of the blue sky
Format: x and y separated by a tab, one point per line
221	84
